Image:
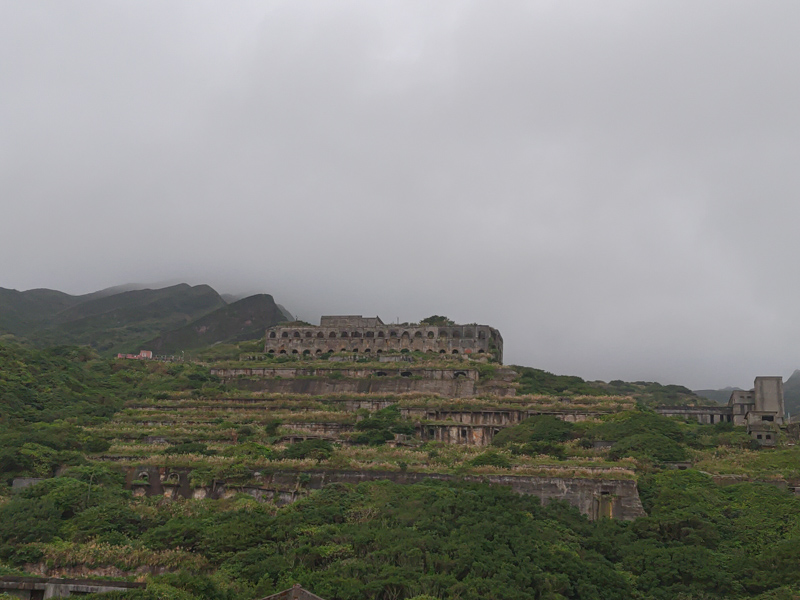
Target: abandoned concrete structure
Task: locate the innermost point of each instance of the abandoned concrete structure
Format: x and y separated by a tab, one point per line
42	588
296	592
370	335
761	410
596	498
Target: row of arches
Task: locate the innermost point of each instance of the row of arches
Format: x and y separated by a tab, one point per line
357	351
455	334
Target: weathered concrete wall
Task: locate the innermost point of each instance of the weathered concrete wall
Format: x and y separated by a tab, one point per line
500	385
320	429
453	388
355	373
769	395
503	417
42	588
465	435
596	498
703	414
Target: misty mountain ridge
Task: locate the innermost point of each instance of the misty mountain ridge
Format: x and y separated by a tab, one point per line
122	318
240	321
720	396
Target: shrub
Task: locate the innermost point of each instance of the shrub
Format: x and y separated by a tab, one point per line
492	459
190	448
316	449
649	445
539	428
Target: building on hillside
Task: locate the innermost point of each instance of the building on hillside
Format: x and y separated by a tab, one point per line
143	355
761	410
370	335
293	593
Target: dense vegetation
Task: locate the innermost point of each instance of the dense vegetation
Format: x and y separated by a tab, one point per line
48	397
537	381
446	540
64	412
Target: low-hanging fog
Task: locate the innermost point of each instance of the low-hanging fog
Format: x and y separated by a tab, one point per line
613	185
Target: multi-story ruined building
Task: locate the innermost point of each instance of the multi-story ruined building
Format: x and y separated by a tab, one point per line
761	410
370	335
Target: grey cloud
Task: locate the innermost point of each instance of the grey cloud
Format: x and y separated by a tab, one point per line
611	184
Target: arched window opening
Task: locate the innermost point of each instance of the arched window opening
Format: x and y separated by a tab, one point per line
309	334
295	352
285	334
343	350
392	334
442	351
272	334
332	334
481	351
380	374
405	374
404	351
458	374
356	334
344	334
320	335
379	352
430	335
297	334
367	351
455	351
271	351
456	334
318	352
306	352
442	334
380	334
282	352
369	334
418	334
405	335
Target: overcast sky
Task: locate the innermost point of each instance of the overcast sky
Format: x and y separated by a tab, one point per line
613	185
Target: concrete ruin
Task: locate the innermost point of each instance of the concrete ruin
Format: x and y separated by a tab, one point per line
761	410
369	335
42	588
450	383
596	498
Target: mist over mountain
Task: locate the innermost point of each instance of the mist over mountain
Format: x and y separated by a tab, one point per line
721	396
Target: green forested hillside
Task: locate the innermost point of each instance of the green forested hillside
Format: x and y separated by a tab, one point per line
121	322
726	528
381	540
22	312
243	320
791	391
125	320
